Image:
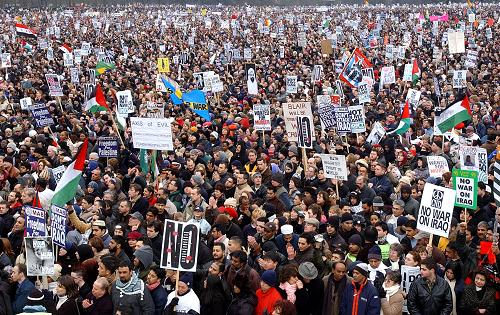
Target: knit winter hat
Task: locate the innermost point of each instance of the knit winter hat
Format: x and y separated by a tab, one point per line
362	268
375	253
355	239
187	278
35	298
269	277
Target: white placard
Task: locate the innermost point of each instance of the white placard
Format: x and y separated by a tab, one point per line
407	72
387	75
437	166
26	103
357	117
363	93
290	113
334	166
456	42
413	97
151	133
377	133
291	84
436	210
262	116
459	79
478	161
124	102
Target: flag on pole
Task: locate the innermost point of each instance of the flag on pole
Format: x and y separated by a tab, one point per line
102	67
66	48
23	30
68	184
453	115
143	161
173	89
404	123
197	103
415	72
496	181
97	103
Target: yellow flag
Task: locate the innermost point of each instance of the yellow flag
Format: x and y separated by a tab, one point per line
203	11
163	65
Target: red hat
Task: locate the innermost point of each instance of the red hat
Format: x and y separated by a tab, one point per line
134	235
230	211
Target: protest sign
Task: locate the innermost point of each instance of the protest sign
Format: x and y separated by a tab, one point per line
291	84
357	117
436	210
180	245
77	54
326	112
151	133
6	60
58	172
75	75
413	97
163	65
471	59
26	103
54	84
437	166
475	159
407	72
152	110
340	91
35	221
363	93
342	119
465	185
68	59
305	131
107	147
159	85
387	75
58	225
216	83
339	65
376	134
336	100
290	113
334	166
39	256
251	76
41	115
124	102
408	275
317	72
326	47
247	53
459	79
456	42
262	116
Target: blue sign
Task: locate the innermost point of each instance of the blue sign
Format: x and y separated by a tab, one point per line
58	225
41	114
35	221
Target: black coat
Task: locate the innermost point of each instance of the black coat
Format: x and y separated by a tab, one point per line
421	301
472	301
242	305
68	307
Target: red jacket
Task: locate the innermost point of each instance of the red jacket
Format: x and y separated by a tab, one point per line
266	300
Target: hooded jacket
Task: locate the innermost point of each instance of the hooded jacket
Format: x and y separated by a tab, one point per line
145	256
133	293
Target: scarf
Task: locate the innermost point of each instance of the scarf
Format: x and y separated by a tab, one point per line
333	294
153	286
61	301
290	291
390	291
34	309
133	286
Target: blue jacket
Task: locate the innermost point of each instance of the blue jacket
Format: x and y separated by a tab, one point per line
382	185
22	293
281	244
368	302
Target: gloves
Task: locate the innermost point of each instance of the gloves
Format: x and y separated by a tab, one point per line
174	301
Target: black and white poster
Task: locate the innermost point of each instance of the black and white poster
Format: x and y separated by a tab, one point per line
305	131
251	76
180	246
291	84
326	112
343	120
39	256
436	210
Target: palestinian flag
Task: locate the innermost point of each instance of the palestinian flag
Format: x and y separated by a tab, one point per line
453	115
23	30
415	72
68	184
102	67
404	123
97	102
65	48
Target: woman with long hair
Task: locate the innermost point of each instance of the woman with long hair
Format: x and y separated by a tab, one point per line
244	298
213	300
453	275
66	296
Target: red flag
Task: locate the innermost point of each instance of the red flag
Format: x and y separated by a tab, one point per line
36	201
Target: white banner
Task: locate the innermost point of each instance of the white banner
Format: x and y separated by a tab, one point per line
436	210
151	133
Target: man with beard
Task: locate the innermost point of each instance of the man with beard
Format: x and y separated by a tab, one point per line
129	290
117	248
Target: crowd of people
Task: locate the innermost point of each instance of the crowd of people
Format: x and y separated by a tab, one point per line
276	235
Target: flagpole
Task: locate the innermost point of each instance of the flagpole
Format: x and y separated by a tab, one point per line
116	129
